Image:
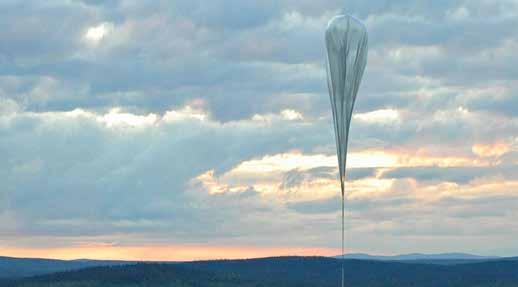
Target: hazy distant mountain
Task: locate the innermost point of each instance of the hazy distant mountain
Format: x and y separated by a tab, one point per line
418	256
285	272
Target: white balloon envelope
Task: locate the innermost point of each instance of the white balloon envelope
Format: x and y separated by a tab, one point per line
346	45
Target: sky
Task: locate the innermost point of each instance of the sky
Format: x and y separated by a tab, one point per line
179	130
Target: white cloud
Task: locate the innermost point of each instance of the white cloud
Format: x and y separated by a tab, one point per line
185	113
291	115
96	34
383	117
116	118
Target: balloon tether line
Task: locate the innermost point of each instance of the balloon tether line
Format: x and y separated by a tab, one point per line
343	230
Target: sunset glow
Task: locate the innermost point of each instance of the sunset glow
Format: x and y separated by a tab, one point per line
164	253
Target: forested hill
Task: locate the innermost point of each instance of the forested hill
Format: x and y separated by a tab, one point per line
284	271
12	267
151	274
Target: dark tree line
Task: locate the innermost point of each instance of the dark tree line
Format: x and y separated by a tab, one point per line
285	272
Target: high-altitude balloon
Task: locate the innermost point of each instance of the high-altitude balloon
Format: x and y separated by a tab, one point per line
346	45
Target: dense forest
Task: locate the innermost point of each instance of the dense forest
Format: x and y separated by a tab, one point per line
11	267
282	271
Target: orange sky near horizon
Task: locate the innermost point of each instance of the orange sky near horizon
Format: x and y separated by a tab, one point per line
163	253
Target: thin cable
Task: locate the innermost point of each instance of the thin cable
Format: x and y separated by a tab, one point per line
343	232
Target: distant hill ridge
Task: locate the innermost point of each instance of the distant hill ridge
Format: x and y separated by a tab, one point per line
418	256
11	267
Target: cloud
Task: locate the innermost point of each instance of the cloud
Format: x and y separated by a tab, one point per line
95	34
93	174
379	116
316	206
158	119
460	175
259	56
